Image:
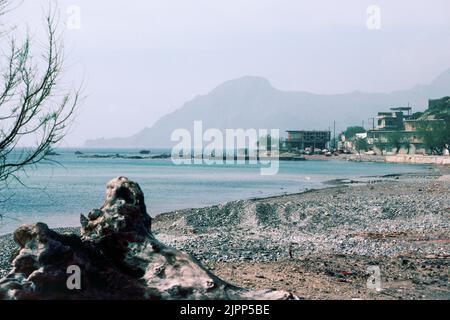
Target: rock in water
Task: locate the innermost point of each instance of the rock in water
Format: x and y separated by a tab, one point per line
116	257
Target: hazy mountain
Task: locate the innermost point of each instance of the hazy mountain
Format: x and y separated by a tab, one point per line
252	102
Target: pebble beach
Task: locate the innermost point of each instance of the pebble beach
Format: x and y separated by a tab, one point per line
320	243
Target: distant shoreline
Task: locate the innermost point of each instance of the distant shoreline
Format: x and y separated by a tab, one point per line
399	158
164	153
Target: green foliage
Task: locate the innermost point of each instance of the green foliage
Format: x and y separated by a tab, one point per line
351	132
438	109
361	145
440	105
381	145
416	115
437	138
396	140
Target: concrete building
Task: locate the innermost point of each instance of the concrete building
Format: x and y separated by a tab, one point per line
390	121
396	125
301	139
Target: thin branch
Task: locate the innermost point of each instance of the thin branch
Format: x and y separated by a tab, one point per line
32	104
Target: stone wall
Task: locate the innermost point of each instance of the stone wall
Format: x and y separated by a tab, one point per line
419	159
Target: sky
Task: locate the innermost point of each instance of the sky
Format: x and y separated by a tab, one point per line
139	60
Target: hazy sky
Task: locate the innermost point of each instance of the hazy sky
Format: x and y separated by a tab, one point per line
143	59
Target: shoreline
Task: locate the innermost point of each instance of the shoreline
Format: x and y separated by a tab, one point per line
318	243
326	185
274	194
414	159
164	153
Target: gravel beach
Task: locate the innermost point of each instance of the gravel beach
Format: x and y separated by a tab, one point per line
319	244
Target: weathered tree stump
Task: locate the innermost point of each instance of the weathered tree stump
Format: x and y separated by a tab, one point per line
116	257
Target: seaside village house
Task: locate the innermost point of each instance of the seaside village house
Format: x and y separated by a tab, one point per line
403	124
348	144
302	139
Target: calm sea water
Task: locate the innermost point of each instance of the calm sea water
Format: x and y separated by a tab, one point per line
57	195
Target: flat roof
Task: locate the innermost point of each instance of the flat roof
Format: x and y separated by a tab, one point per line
308	131
402	108
423	120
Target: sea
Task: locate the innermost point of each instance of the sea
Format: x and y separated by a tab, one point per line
57	192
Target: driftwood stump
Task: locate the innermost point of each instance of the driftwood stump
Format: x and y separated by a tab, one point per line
116	257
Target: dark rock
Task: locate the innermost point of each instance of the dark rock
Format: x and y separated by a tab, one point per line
95	214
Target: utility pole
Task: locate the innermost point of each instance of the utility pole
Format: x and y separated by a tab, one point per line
334	135
373	123
330	145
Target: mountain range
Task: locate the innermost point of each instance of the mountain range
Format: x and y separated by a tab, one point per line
252	102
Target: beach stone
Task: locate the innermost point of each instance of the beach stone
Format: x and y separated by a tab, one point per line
115	257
